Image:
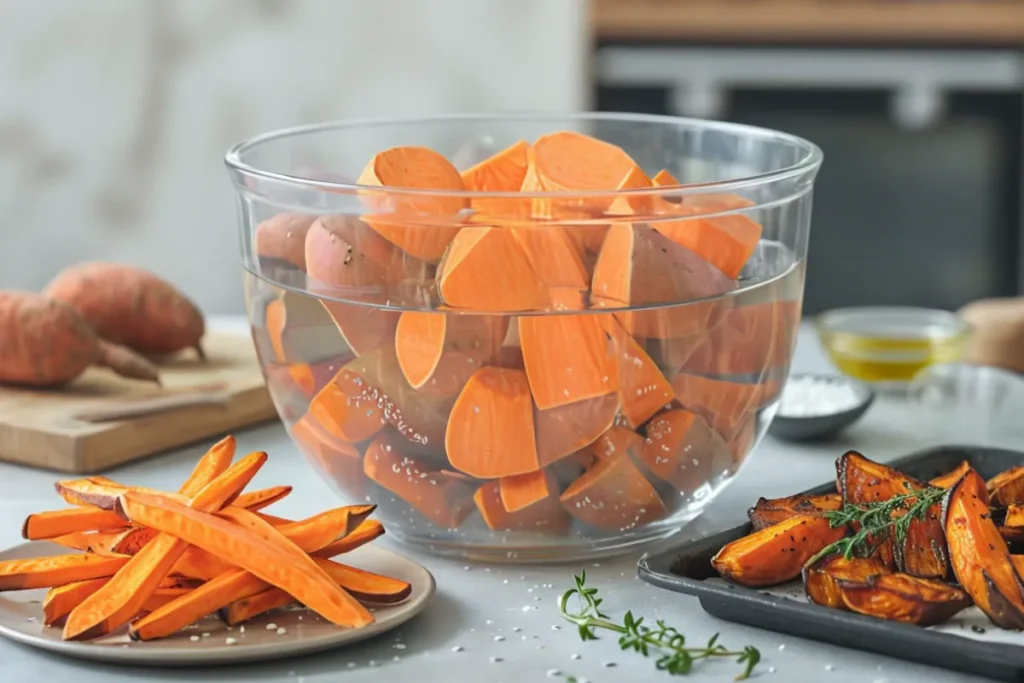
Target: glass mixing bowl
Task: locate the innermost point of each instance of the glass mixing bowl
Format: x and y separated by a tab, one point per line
526	376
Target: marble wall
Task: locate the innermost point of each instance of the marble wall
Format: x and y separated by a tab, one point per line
115	114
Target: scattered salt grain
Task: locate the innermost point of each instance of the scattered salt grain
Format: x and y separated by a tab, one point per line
271	626
498	639
241	629
574	656
516	629
489	622
206	635
556	627
829	667
495	660
194	639
771	669
399	646
782	647
527	608
281	631
808	396
541	647
30	619
609	665
396	658
351	665
457	648
230	641
554	673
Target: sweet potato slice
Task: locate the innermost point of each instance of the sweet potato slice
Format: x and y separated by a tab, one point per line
500	172
643	389
554	255
275	563
567	161
486	269
821	579
363	328
491	432
214	462
365	586
776	554
319	531
341	462
638	266
944	481
683	449
196	563
437	352
904	598
767	512
262	498
616	442
613	494
545	515
724	404
343	253
1014	515
1007	487
414	168
363	534
585	369
59	601
44	572
346	408
282	237
979	556
445	501
747	340
125	594
44	525
566	429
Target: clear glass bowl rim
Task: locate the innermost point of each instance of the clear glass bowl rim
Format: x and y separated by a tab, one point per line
808	163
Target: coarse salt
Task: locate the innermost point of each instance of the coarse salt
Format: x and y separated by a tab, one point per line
809	396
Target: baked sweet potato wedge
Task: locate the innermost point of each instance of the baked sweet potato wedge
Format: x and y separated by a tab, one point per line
978	554
1006	488
901	597
923	552
769	511
944	481
777	554
821	578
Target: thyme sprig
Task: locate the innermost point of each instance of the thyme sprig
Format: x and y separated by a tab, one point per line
661	640
876	522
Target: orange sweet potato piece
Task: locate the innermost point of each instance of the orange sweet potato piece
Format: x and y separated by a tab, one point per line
613	494
130	307
643	389
525	502
282	237
214	462
501	172
486	269
904	598
437	352
346	408
125	594
638	266
59	601
346	256
767	512
363	534
301	330
682	449
44	572
48	344
724	404
616	442
1014	515
445	501
748	339
979	556
491	431
1007	487
338	460
587	367
566	429
363	328
821	579
404	219
953	476
282	565
53	523
776	554
554	255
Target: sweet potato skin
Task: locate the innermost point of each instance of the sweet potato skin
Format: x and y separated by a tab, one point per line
1006	488
131	307
821	579
767	512
904	598
979	556
776	554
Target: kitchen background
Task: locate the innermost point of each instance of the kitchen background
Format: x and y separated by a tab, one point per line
114	116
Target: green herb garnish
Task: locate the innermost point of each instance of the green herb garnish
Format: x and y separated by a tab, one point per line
877	522
668	644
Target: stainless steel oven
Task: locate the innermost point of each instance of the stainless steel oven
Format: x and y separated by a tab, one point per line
919	200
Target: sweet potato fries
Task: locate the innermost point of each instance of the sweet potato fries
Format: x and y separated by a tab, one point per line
893	547
159	561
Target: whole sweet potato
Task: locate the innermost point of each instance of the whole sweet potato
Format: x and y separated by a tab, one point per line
131	307
45	343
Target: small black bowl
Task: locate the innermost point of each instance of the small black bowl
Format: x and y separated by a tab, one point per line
822	427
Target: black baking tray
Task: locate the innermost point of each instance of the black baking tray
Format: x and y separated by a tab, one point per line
685	568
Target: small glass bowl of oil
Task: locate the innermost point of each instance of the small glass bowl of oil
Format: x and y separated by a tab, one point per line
889	345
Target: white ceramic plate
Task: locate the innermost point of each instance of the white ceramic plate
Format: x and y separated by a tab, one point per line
304	631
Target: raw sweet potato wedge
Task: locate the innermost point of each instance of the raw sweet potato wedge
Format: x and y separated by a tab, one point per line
776	554
364	586
566	429
724	404
747	340
301	330
643	389
282	237
767	512
445	501
125	594
821	579
555	256
346	408
616	442
613	494
491	431
278	564
638	266
904	598
363	328
684	450
400	218
437	352
363	534
503	171
59	601
526	502
860	480
214	463
45	572
1014	515
567	357
953	476
486	269
342	462
44	525
344	254
979	556
196	563
1007	487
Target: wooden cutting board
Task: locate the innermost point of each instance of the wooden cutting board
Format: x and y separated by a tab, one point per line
88	425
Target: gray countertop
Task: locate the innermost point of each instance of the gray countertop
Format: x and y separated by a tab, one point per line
487	611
